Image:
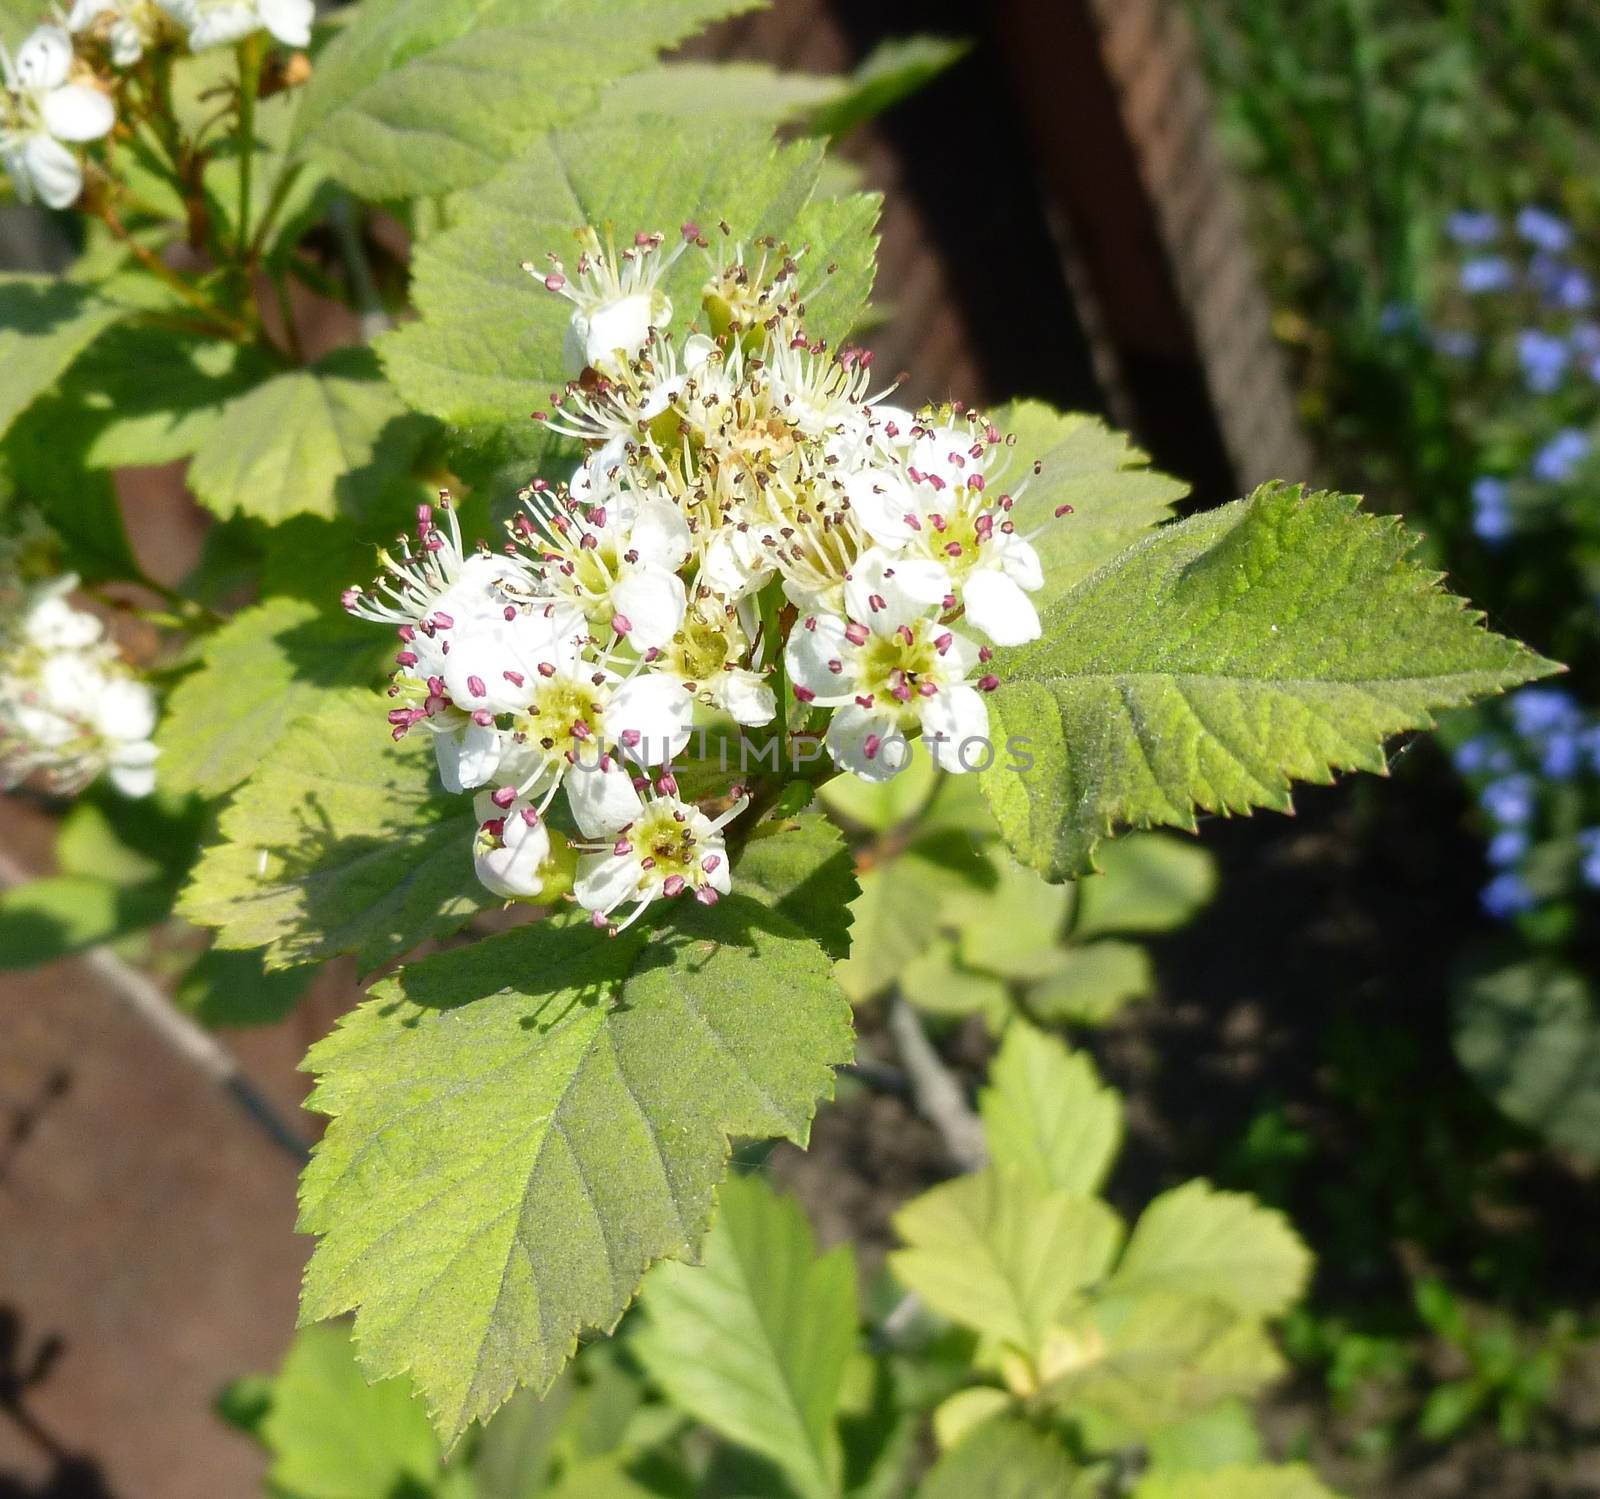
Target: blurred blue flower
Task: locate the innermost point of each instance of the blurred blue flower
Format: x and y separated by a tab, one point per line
1573	290
1472	227
1510	801
1398	317
1558	459
1472	755
1543	357
1589	865
1585	340
1562	755
1590	741
1538	710
1491	508
1507	847
1543	229
1455	343
1507	895
1486	273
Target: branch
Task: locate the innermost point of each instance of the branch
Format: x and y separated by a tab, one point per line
938	1095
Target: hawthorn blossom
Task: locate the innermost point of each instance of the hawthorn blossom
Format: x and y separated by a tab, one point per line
665	848
218	23
70	708
617	297
129	28
43	112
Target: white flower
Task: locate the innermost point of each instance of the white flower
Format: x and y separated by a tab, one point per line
707	654
40	110
216	23
512	849
614	556
661	848
616	296
69	706
902	674
129	27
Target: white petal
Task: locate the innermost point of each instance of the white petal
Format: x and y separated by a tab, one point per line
44	59
87	12
514	869
745	697
289	20
885	591
734	563
961	716
51	171
603	802
653	601
660	534
125	710
133	780
75	112
655	707
605	880
127	44
998	607
222	25
1020	561
467	757
619	328
697	348
868	742
881	500
814	644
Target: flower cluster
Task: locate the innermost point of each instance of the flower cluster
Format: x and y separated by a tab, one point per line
1536	774
1525	273
58	89
70	707
754	538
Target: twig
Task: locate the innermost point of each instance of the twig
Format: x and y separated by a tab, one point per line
934	1088
149	1003
363	287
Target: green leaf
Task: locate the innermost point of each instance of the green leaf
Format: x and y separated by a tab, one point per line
1047	1114
895	69
228	989
935	980
45	323
999	1252
1129	1366
1089	984
1014	929
1224	1245
89	845
487	348
340	843
67	914
266	668
1147	883
1004	1458
898	896
753	1341
334	1436
328	440
1528	1034
751	92
801	869
1282	637
430	96
521	1126
881	805
1115	497
1292	1481
1221	1437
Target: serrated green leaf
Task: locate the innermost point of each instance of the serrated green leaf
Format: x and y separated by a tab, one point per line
1015	929
1224	1245
895	69
898	896
521	1126
1280	638
334	1436
754	93
1266	1481
1115	496
45	323
1132	1365
340	843
1005	1458
328	440
1089	983
801	868
150	396
88	844
487	348
935	980
1147	883
224	990
1047	1114
266	668
1528	1034
999	1252
1224	1436
431	96
753	1341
